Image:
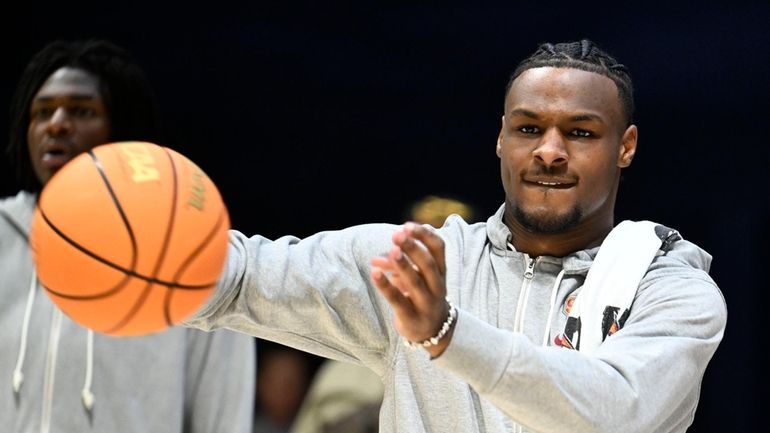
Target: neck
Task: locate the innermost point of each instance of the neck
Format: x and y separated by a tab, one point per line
588	233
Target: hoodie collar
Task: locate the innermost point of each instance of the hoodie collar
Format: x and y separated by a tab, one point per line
674	246
500	236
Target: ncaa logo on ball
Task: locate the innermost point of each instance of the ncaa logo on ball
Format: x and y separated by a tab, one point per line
141	162
198	189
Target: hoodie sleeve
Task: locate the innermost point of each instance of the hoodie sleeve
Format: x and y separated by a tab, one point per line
313	294
644	378
219	382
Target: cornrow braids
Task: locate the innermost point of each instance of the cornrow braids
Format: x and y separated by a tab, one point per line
587	56
127	96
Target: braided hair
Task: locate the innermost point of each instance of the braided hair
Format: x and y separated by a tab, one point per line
127	96
587	56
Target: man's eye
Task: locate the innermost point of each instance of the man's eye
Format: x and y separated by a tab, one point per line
529	129
83	112
42	113
581	133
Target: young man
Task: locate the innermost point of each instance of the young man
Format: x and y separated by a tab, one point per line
55	375
546	318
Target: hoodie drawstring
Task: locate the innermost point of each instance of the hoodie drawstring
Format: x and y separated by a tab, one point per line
18	375
18	372
50	370
554	291
88	396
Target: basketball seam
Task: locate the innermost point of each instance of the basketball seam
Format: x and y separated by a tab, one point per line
191	257
116	202
120	268
139	302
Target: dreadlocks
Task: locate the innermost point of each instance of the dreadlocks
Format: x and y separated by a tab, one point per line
127	96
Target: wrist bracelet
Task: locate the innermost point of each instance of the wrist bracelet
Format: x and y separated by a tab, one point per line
445	327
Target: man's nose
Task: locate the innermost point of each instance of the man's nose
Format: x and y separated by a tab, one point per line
552	150
60	122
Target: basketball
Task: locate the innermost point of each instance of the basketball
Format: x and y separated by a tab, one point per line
129	238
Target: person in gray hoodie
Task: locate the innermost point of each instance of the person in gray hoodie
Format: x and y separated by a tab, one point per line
56	376
549	317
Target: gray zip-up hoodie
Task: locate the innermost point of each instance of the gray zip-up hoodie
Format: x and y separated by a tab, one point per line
501	371
56	376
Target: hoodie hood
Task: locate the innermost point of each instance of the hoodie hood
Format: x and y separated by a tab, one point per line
18	210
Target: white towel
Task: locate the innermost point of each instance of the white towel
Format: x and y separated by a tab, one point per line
604	302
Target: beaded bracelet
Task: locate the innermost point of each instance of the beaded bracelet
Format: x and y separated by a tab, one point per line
445	327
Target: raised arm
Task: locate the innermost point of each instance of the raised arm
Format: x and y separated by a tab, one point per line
313	294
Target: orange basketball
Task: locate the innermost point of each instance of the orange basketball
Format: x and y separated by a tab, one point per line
129	238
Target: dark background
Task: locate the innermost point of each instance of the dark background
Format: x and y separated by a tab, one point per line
310	117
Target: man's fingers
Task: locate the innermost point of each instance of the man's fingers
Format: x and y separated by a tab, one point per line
431	240
411	279
429	265
401	303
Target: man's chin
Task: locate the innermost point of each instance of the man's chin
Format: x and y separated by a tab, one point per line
547	223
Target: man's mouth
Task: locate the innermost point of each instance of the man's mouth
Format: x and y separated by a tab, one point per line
55	157
555	183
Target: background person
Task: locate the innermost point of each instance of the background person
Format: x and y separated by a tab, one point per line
54	374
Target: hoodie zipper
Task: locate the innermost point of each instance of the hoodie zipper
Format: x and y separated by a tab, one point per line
530	272
521	308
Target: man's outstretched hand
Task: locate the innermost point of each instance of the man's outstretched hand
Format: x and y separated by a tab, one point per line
412	279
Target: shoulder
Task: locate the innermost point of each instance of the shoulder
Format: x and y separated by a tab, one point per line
21	200
463	241
678	277
16	213
681	258
673	257
457	230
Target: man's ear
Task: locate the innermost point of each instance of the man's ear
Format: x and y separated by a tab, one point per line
628	146
500	136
